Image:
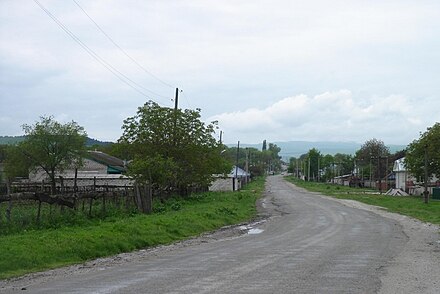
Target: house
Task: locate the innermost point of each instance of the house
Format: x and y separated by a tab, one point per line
98	167
403	179
407	182
235	180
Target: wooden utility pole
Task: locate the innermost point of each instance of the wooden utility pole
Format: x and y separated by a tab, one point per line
308	171
297	167
319	174
426	193
176	99
234	179
378	174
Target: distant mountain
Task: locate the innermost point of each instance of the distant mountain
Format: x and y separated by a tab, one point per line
91	142
8	140
297	148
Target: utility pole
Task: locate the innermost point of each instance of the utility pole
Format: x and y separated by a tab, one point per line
426	193
175	116
386	172
176	100
221	135
297	171
308	172
371	171
333	172
319	174
247	160
236	168
378	174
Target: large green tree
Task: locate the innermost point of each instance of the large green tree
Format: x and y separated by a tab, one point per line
172	148
50	146
428	142
372	155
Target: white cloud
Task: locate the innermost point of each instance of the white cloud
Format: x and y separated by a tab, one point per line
226	55
331	116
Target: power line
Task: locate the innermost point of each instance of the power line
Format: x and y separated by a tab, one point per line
122	50
95	56
186	99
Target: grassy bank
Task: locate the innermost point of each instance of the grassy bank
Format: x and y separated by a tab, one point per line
174	220
411	206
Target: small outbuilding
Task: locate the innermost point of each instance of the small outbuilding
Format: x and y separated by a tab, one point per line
235	180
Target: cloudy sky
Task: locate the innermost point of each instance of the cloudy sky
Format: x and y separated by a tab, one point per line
276	70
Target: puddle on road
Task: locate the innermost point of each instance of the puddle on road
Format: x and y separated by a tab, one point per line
255	231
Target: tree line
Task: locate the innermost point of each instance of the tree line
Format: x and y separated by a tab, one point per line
166	149
373	161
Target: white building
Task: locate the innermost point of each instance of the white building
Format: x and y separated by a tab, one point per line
236	179
98	167
402	176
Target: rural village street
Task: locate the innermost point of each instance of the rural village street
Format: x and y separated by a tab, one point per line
305	243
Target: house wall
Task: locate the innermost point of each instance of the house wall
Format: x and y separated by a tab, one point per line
226	184
112	180
221	184
89	169
401	180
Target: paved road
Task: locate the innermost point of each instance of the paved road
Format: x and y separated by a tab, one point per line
311	244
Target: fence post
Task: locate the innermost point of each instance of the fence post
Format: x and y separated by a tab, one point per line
75	189
138	197
62	191
104	195
127	197
148	198
9	209
91	198
39	211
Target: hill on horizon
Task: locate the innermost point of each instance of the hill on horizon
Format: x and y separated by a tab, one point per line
8	140
297	148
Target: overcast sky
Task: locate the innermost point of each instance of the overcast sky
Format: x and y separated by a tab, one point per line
276	70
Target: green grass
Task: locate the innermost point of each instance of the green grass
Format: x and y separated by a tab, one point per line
176	219
409	205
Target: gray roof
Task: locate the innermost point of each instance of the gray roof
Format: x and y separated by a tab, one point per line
107	159
399	165
240	173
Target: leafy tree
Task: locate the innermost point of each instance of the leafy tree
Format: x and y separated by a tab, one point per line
49	145
344	163
15	163
172	148
3	152
371	155
313	162
428	142
293	165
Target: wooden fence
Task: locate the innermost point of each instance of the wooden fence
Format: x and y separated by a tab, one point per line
75	198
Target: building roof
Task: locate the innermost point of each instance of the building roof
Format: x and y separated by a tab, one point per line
399	165
240	173
112	162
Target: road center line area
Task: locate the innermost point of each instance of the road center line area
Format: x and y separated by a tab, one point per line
308	244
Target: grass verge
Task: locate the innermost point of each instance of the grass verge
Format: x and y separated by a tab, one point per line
409	205
176	219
